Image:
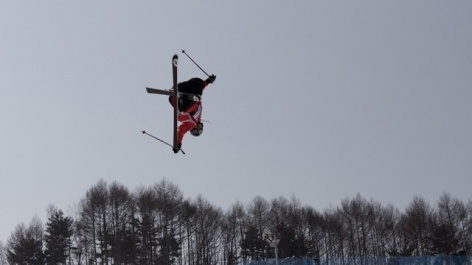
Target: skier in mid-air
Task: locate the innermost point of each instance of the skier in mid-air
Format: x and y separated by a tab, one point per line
190	107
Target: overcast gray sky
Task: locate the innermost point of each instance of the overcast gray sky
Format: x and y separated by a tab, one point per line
316	99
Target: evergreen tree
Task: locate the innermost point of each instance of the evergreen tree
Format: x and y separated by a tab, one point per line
25	246
57	239
252	246
290	245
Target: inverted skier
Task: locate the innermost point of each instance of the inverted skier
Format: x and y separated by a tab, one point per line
190	107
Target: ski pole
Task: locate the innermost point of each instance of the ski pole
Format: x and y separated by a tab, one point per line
150	135
183	51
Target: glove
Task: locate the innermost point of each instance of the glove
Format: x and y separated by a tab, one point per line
211	79
179	146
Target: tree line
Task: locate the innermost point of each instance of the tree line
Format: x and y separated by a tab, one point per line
156	225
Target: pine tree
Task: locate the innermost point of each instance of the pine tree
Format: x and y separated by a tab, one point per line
57	239
252	246
25	245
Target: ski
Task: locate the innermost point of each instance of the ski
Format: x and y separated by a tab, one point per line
159	91
162	141
186	96
175	60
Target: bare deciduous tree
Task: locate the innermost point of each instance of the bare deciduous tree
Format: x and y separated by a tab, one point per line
417	223
155	225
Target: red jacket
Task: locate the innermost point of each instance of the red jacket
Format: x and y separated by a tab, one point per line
191	111
188	120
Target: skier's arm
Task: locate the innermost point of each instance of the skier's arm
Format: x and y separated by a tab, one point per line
209	80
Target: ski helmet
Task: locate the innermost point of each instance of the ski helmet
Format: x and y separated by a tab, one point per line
197	130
